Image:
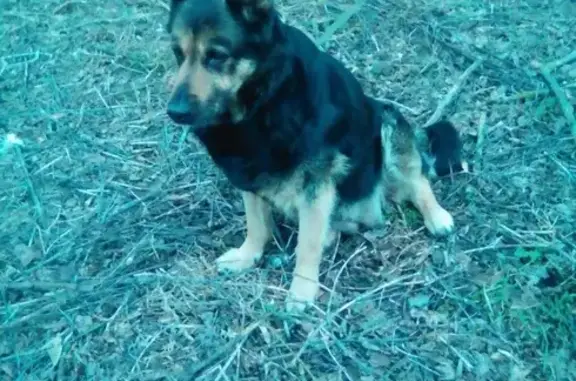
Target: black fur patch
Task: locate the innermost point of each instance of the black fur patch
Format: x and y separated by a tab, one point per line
446	147
303	108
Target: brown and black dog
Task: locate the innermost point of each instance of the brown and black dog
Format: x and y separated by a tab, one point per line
291	128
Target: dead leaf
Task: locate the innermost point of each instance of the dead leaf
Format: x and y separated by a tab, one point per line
57	116
83	323
26	254
54	349
526	301
431	318
446	369
380	360
518	373
483	364
265	334
419	301
463	260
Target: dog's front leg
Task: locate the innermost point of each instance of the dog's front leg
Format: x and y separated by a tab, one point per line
259	232
314	215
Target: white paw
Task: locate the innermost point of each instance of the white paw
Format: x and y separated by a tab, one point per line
237	260
330	238
302	293
440	223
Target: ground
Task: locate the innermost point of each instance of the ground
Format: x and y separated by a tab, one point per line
111	216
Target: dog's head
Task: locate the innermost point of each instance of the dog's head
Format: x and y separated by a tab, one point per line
219	45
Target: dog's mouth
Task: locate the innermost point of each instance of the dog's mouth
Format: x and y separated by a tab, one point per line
182	119
193	114
199	119
202	114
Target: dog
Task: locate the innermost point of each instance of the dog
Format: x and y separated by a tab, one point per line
292	129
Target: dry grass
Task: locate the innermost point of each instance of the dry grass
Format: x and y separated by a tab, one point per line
110	217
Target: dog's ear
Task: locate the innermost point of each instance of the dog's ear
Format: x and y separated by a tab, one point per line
251	11
174	5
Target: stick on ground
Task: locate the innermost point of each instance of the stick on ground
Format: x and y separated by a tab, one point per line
557	90
480	142
562	61
454	91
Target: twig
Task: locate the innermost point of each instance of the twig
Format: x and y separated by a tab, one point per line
449	98
329	318
164	5
562	61
44	312
30	185
148	344
340	22
39	285
565	106
499	68
528	94
398	104
131	204
340	367
238	342
480	141
360	250
511	246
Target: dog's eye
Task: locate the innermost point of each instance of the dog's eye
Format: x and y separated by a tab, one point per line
215	58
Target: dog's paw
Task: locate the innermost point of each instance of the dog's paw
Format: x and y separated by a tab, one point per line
330	238
440	223
235	260
302	293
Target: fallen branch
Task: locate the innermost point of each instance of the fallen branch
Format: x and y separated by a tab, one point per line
529	94
454	91
398	105
43	286
557	90
502	69
562	61
565	105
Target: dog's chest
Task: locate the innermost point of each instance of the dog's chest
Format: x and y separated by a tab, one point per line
297	190
250	161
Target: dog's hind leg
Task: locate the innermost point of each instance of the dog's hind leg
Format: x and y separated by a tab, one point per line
405	176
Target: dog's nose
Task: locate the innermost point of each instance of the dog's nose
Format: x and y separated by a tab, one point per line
179	109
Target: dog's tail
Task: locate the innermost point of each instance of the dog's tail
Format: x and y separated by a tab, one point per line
441	149
439	144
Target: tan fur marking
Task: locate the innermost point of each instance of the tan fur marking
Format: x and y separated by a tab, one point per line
404	180
313	232
187	41
200	83
436	218
407	183
181	76
288	194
